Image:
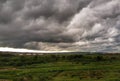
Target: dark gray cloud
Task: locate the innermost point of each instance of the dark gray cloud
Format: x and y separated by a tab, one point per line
85	25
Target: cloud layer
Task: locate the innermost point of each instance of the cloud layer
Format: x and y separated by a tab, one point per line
82	25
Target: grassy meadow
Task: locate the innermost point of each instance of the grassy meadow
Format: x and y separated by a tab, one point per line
65	67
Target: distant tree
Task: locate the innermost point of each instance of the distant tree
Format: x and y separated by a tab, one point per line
99	58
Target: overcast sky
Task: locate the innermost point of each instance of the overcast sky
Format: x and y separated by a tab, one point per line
49	25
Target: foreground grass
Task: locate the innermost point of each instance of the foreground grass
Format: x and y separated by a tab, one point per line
61	68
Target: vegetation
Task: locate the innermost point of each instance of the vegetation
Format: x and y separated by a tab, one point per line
64	67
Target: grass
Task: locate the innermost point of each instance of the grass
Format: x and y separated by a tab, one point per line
87	69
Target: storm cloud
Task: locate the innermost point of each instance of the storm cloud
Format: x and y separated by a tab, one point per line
78	25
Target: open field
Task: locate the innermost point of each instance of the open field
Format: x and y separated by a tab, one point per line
63	67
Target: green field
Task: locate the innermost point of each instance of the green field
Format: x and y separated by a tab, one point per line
94	67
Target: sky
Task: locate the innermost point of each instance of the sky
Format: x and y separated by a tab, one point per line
57	25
